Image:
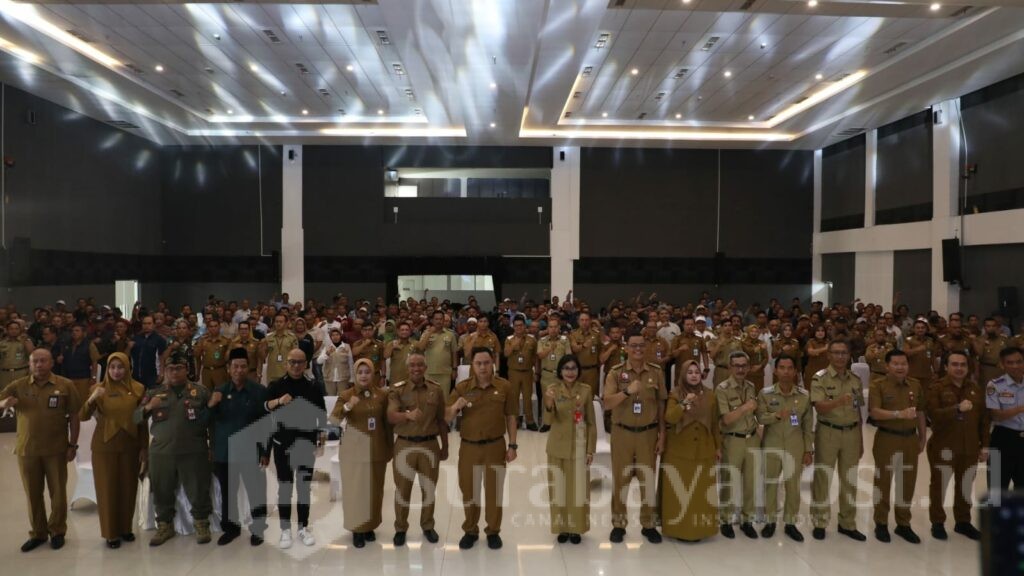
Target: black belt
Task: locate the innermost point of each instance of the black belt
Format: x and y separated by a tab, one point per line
738	435
837	426
482	442
904	433
1010	431
417	438
592	366
650	426
14	369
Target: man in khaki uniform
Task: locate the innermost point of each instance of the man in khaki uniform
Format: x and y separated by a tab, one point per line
737	403
489	410
923	354
987	347
416	411
46	406
439	346
14	351
689	346
785	411
398	352
245	341
875	354
521	357
635	393
897	407
550	349
656	350
721	349
483	337
212	356
837	395
372	349
960	435
585	342
275	347
957	339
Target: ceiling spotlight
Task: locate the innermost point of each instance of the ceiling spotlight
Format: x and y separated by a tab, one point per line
935	7
350	67
728	74
763	45
380	112
604	114
159	68
751	117
634	71
494	85
283	93
216	36
231	111
493	124
678	116
253	67
305	112
686	1
819	76
812	3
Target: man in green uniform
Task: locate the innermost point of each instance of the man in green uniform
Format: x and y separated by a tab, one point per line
179	453
275	347
46	406
837	395
785	411
440	347
897	405
737	402
14	351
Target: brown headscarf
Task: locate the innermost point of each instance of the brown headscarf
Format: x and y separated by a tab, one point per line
114	421
700	410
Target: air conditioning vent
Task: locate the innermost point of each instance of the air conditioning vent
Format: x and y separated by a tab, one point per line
123	124
399	71
177	93
602	40
659	96
680	73
577	95
568	115
642	116
271	35
323	92
301	68
587	71
80	36
849	132
135	69
710	43
208	70
895	48
383	38
410	94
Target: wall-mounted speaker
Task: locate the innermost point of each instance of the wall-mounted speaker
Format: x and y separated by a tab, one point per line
951	261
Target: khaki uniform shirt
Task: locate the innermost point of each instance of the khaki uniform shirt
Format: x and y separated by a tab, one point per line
369	417
278	346
961	432
922	364
888	394
640	409
406	396
551	351
828	385
777	431
730	395
656	350
522	352
42	414
438	352
875	356
399	356
180	423
12	354
590	347
485	417
574	408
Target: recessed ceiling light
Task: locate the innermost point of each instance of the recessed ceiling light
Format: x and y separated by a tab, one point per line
604	114
159	68
763	45
350	67
494	85
686	1
812	3
728	73
751	117
936	6
678	116
493	124
634	71
283	93
819	76
231	111
305	112
380	112
253	67
216	36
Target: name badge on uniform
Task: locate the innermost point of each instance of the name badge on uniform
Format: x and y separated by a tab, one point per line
53	401
637	407
696	352
190	413
371	424
520	359
280	358
593	349
552	357
658	353
216	355
794	420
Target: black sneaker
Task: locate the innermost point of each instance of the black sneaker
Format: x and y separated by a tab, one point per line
727	531
853	534
791	531
882	533
227	538
467	541
563	538
908	534
768	531
57	542
544	428
968	530
532	427
129	537
358	539
748	530
818	533
652	535
431	536
493	541
32	544
617	535
399	539
939	531
114	544
371	536
575	538
255	540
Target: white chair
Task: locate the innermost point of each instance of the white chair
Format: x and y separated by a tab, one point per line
330	457
603	452
85	483
863	371
462	373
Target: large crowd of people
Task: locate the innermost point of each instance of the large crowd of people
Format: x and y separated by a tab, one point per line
700	398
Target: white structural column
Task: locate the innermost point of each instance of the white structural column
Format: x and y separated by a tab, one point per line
819	291
293	252
870	176
945	196
565	217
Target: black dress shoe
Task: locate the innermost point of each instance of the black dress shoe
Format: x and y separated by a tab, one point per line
791	531
617	535
652	535
544	428
818	533
255	540
939	531
532	427
358	539
967	529
32	543
768	531
399	539
57	542
129	537
228	537
882	533
563	538
908	534
431	536
727	531
748	530
467	541
370	536
493	541
114	544
575	538
853	534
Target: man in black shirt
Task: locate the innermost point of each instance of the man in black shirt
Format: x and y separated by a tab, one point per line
297	407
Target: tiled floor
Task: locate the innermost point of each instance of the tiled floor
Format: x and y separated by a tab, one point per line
529	547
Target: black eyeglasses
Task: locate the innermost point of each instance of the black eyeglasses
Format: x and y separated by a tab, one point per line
296	362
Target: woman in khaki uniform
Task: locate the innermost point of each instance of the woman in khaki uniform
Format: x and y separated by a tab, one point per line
118	447
364	452
816	352
569	407
690	512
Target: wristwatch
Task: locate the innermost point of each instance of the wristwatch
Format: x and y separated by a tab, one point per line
514	446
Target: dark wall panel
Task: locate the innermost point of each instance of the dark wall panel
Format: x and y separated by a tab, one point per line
842	185
76	183
839	269
647	202
986	268
993	120
903	178
767	203
912	272
214	198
